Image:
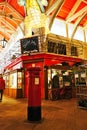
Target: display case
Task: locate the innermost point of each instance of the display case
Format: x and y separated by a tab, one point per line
14	83
81	87
64	88
80	77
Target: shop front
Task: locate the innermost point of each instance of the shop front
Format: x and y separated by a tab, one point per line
60	82
49	65
14	81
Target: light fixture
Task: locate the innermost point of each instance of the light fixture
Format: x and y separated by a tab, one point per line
3	43
21	2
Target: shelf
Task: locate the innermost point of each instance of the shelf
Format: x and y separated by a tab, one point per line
82	107
81	94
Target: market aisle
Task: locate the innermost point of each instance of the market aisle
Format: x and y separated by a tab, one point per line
58	115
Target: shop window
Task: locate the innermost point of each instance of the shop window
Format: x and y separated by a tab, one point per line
57	48
74	51
61	48
52	47
80	77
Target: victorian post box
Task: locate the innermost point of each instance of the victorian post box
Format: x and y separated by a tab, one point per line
34	95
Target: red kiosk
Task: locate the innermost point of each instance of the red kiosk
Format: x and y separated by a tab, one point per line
41	60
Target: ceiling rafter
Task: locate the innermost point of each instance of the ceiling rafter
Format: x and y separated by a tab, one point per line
7	24
77	23
57	8
11	12
7	30
6	21
2	3
16	12
4	28
53	6
50	2
76	15
4	35
84	1
85	26
76	5
9	15
10	19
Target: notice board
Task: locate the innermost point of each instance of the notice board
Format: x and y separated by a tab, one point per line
29	44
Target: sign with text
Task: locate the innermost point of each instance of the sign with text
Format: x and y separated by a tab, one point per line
29	45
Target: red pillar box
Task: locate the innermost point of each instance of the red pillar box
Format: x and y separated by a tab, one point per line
34	95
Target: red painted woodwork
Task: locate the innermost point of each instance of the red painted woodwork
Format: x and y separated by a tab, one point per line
40	60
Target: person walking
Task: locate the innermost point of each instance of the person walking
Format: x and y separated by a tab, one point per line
2	86
55	87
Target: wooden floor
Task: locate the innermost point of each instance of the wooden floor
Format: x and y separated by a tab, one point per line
56	115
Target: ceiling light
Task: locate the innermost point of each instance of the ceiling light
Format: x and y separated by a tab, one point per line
21	2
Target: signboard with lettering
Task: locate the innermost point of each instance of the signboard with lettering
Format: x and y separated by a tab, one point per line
29	45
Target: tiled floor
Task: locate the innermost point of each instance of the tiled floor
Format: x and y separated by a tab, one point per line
56	115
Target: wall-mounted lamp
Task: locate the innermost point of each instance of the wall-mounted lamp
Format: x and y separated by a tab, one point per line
3	43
